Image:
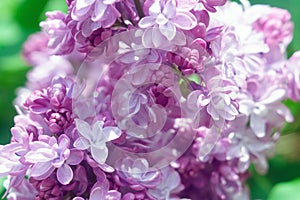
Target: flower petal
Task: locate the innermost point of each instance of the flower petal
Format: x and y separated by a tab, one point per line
99	153
258	125
83	128
81	143
99	11
41	170
38	145
99	189
185	20
113	195
40	155
157	37
98	127
146	22
64	174
168	30
111	133
76	156
97	194
83	3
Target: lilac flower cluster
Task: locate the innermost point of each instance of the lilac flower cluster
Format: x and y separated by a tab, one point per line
150	100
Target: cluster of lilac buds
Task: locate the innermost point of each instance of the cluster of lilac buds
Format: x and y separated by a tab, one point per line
150	100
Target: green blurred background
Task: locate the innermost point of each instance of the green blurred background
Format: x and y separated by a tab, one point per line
20	18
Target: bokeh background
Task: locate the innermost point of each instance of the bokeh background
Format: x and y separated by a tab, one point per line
20	18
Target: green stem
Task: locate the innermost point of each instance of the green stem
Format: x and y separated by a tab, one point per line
139	8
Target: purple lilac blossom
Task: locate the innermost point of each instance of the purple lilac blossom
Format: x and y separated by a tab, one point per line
57	26
224	80
50	154
136	174
53	104
35	47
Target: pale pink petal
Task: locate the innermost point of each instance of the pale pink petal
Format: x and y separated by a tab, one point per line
146	22
83	3
155	8
186	5
109	2
106	168
83	128
185	20
113	195
275	96
168	30
38	145
99	153
76	13
161	19
87	28
141	164
64	174
110	16
212	112
63	141
98	127
40	155
78	198
97	194
99	11
76	156
42	170
258	125
18	133
82	143
111	133
147	38
170	9
157	37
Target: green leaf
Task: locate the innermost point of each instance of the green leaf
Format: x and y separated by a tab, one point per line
28	14
280	170
287	191
195	78
293	127
260	186
56	5
12	75
2	189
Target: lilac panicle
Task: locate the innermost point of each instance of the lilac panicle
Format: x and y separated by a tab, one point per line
211	73
53	104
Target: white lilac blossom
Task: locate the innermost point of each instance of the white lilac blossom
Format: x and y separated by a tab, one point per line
169	184
94	138
150	100
95	13
136	172
168	16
